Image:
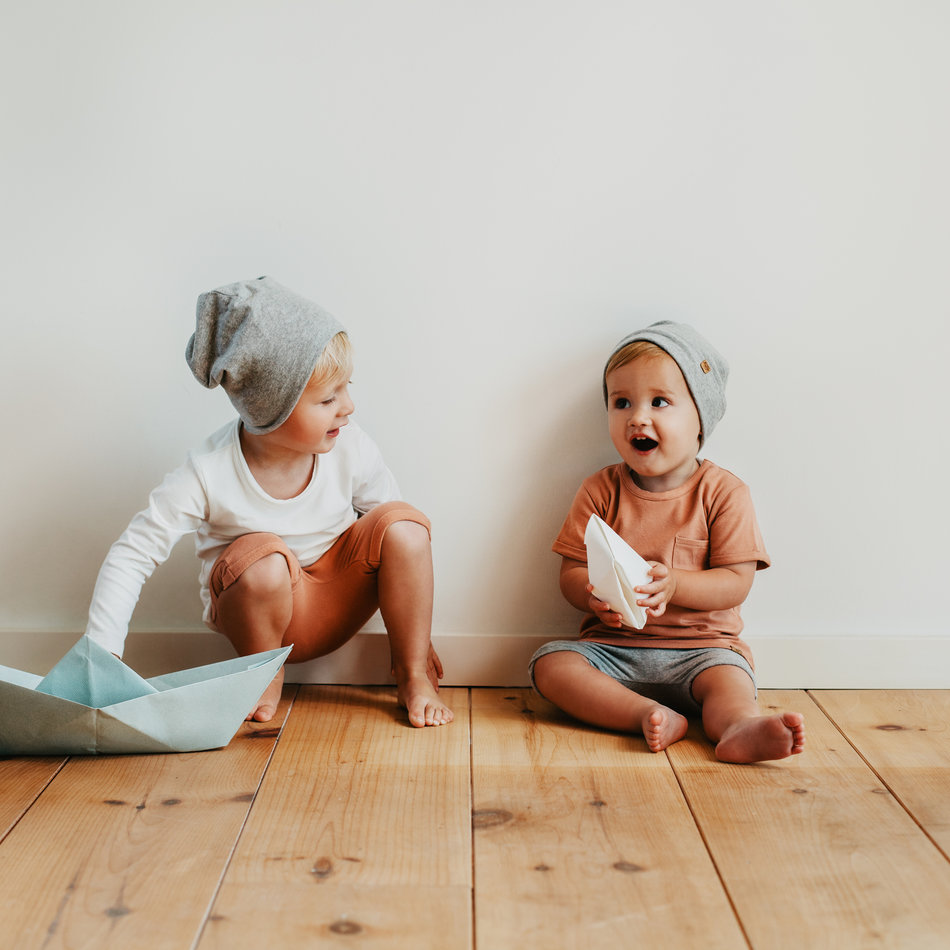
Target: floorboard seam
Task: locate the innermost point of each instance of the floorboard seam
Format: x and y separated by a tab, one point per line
890	790
209	910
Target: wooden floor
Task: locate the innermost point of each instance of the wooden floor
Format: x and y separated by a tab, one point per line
338	825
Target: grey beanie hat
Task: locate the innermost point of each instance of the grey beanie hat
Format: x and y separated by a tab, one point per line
704	369
260	342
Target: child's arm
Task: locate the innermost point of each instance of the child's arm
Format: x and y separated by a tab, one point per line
175	508
718	588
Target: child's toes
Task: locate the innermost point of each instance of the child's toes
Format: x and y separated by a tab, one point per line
420	714
264	713
429	714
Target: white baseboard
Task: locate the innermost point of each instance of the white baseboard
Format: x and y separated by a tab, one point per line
800	662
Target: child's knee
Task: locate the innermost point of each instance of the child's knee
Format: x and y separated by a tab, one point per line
262	588
408	537
268	577
549	669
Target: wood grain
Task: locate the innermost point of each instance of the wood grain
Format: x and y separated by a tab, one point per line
22	781
813	849
582	838
361	829
127	851
904	735
350	828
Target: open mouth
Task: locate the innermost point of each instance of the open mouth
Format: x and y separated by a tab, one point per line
644	445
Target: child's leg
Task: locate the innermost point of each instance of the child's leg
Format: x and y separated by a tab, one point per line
261	599
732	719
254	610
405	588
569	681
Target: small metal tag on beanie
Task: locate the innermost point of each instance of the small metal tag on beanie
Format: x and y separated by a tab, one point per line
705	367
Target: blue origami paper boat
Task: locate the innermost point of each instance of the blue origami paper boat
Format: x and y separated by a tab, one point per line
91	703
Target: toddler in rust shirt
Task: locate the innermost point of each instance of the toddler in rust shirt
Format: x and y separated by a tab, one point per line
695	525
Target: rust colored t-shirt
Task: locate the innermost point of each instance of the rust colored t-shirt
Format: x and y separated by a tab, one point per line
707	522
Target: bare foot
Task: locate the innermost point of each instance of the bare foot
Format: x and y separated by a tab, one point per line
420	699
760	738
662	727
266	707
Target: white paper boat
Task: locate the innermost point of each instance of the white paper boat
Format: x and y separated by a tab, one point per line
91	702
614	570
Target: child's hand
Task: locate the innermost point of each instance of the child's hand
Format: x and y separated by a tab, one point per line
655	596
434	671
434	667
605	614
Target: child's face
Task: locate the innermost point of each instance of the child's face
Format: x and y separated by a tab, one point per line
315	422
653	421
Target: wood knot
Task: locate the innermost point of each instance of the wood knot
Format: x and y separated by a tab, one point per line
543	867
172	801
490	817
119	911
598	803
892	728
322	868
628	867
345	927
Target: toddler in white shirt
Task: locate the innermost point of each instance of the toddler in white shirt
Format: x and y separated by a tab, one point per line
298	523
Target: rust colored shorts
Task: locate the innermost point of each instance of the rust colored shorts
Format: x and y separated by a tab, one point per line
334	596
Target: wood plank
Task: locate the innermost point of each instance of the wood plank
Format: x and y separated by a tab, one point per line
362	829
582	838
904	735
813	849
22	781
127	851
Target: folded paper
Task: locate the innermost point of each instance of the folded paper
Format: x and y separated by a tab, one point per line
91	702
614	570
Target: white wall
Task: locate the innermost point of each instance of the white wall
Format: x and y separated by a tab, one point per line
488	195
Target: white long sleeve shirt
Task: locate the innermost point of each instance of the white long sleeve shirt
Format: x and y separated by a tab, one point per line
215	496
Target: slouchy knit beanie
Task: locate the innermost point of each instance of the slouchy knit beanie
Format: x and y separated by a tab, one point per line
260	342
704	369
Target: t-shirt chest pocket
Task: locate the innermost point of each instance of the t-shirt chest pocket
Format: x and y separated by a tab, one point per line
690	554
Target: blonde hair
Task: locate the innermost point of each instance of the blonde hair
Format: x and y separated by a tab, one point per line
638	349
335	362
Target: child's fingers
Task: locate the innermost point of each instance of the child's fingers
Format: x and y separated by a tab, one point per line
653	602
604	611
658	570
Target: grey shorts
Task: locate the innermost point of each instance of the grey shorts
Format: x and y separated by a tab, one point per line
663	675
